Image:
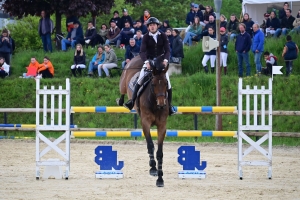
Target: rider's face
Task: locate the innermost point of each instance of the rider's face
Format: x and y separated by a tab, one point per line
153	28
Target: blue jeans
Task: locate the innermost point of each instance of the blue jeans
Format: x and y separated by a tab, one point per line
245	57
188	38
64	43
277	32
92	67
288	67
297	30
232	36
46	40
257	61
123	64
285	31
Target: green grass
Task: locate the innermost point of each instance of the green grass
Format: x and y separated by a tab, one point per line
193	88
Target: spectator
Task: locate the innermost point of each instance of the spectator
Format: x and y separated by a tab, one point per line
232	27
116	19
170	38
282	12
113	33
31	69
75	36
194	30
249	23
126	18
45	30
273	24
70	19
286	24
138	38
296	24
101	37
271	61
126	33
110	62
258	47
211	23
266	21
145	17
13	45
4	68
79	60
140	26
46	69
132	50
5	46
290	53
190	16
208	12
198	13
223	49
211	55
98	59
90	36
223	21
242	48
165	26
177	47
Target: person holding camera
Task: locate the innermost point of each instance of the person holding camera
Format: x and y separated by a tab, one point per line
5	46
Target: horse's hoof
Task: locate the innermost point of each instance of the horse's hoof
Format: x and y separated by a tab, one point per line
160	183
153	172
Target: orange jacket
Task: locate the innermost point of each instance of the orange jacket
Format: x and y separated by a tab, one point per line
33	65
42	67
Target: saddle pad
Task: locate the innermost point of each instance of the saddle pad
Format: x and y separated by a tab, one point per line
133	81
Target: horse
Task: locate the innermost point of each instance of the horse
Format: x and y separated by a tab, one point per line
152	107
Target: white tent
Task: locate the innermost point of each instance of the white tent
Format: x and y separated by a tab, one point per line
257	8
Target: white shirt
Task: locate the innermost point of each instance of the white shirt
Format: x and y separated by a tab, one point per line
154	35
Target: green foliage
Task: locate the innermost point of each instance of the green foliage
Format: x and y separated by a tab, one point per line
25	33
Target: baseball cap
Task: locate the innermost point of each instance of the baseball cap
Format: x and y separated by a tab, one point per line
196	5
222	29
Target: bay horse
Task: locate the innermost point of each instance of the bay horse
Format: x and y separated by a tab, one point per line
152	107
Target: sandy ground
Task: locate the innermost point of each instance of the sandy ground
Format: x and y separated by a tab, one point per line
17	174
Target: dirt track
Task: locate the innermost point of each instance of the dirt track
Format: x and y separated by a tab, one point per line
17	174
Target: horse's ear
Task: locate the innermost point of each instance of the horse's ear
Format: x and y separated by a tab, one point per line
166	68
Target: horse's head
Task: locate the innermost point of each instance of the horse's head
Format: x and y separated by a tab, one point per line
159	83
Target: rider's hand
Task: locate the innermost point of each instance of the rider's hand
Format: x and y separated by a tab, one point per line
148	66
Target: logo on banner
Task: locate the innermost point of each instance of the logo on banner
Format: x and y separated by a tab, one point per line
189	158
107	159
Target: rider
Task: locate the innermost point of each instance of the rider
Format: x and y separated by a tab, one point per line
154	44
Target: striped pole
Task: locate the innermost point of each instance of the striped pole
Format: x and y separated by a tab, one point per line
179	109
139	133
25	126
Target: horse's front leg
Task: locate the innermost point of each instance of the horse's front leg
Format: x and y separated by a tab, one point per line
161	132
150	147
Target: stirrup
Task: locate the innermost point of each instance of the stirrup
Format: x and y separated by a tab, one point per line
171	110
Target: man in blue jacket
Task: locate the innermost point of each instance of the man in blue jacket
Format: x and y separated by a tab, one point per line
132	50
257	46
45	30
74	37
242	47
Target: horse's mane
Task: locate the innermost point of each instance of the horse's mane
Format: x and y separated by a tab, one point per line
158	64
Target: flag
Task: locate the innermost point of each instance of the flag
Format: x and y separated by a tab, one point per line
276	70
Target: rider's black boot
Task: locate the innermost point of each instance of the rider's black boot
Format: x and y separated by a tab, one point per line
171	109
129	104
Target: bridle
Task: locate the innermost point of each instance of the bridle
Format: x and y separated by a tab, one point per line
164	94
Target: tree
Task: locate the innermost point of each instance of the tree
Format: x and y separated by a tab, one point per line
21	8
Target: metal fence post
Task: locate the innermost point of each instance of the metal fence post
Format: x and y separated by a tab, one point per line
196	124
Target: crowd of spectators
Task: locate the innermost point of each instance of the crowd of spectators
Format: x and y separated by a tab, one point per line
126	33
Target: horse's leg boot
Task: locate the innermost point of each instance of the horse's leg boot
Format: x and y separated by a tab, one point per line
129	104
171	109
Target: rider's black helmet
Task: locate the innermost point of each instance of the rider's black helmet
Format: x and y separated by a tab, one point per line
152	20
